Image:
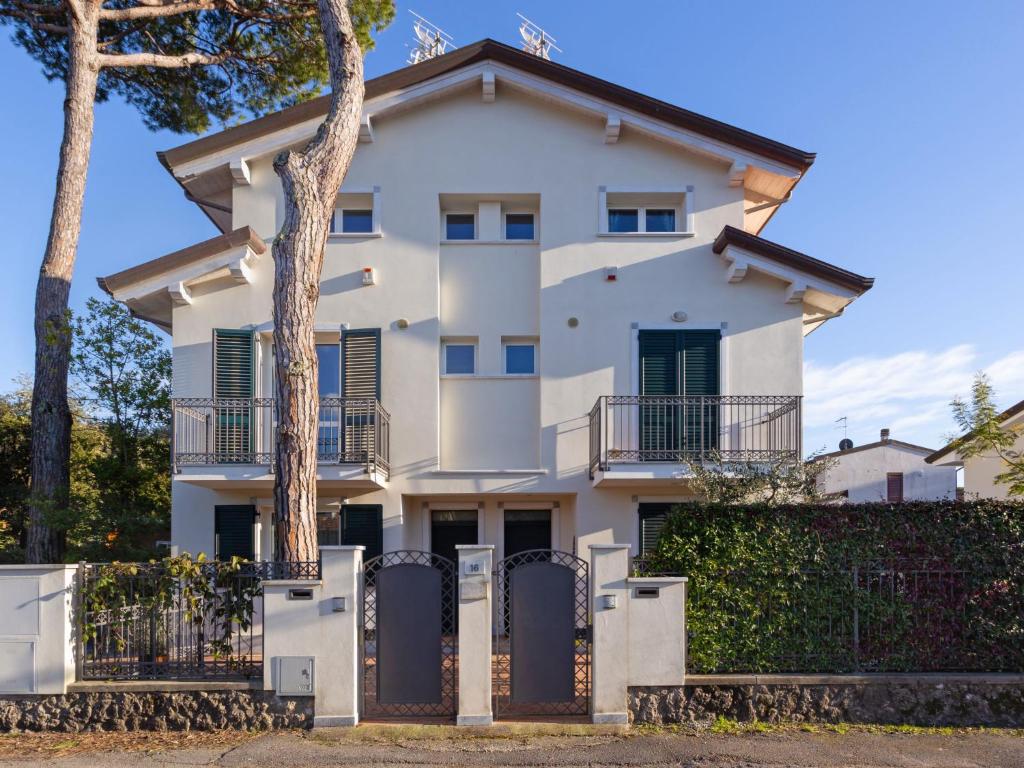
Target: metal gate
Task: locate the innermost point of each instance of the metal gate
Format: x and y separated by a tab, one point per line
408	660
542	636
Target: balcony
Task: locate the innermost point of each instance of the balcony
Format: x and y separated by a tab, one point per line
227	442
643	440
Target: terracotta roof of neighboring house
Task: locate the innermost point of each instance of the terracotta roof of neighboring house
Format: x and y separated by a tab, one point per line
197	252
1009	413
488	49
876	444
787	256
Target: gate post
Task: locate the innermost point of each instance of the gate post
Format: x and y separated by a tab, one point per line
609	569
476	561
339	668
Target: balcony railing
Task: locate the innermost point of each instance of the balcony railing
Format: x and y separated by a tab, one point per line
634	429
211	431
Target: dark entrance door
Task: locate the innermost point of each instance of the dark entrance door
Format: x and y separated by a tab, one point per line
408	662
527	529
448	529
542	659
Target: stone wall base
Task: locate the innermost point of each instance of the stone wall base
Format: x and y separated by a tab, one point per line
154	711
957	704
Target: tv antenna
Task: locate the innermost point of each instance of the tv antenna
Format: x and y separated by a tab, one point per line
430	40
536	40
842	422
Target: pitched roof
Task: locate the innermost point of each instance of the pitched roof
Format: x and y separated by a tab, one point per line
484	50
787	256
1009	413
177	259
876	444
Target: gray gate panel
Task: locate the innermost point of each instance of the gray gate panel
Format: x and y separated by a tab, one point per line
542	633
408	634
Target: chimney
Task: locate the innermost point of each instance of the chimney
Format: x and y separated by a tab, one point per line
885	434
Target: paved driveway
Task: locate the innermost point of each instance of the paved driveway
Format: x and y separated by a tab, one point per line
602	748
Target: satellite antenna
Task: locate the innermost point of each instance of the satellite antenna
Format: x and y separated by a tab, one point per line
430	40
536	40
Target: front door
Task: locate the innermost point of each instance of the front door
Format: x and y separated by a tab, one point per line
527	529
448	529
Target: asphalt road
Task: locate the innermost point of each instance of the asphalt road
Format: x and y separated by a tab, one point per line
790	748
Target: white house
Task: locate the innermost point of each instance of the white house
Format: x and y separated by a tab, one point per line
886	470
542	295
980	472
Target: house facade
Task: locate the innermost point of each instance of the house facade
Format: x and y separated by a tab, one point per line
542	296
886	470
980	472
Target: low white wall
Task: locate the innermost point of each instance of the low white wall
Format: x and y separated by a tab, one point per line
657	631
37	643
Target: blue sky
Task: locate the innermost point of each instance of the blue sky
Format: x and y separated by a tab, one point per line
914	109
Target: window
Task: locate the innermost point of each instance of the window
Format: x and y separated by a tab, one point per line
459	358
352	221
623	220
519	226
894	487
329	363
460	226
328	528
660	220
520	358
652	520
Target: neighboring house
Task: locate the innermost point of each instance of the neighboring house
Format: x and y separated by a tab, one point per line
980	472
542	294
886	470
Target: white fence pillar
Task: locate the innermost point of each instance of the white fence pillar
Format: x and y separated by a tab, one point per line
319	619
37	631
609	571
474	578
338	696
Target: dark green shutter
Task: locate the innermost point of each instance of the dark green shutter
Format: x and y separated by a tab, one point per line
234	378
652	521
233	526
363	524
360	363
678	363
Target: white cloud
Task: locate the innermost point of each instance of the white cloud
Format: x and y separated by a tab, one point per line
908	392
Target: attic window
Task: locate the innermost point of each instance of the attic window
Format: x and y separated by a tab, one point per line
356	214
646	214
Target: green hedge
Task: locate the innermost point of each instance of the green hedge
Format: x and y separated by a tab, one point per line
926	586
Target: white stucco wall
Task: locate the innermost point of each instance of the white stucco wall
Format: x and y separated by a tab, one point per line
863	474
980	472
517	145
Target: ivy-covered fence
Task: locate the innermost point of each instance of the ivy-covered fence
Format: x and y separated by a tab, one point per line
912	587
176	619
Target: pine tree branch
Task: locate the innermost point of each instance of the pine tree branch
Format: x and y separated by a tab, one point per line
29	17
162	61
162	10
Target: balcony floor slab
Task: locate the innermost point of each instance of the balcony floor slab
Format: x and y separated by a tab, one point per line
351	477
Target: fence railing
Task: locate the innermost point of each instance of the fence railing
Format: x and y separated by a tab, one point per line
902	617
142	622
209	431
640	428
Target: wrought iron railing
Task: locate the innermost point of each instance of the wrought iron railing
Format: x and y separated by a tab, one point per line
208	431
162	627
627	429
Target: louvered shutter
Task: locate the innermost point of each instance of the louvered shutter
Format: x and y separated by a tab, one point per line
233	379
362	524
894	487
659	376
233	526
652	521
360	381
699	369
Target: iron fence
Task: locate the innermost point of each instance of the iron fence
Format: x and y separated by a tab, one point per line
209	431
640	428
898	617
142	622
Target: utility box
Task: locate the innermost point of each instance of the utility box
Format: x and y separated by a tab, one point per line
295	676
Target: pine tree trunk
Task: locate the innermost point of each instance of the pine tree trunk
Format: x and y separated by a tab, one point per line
51	415
311	180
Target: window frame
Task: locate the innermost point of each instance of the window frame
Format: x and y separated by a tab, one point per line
518	212
339	213
476	226
518	342
340	206
460	342
684	212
